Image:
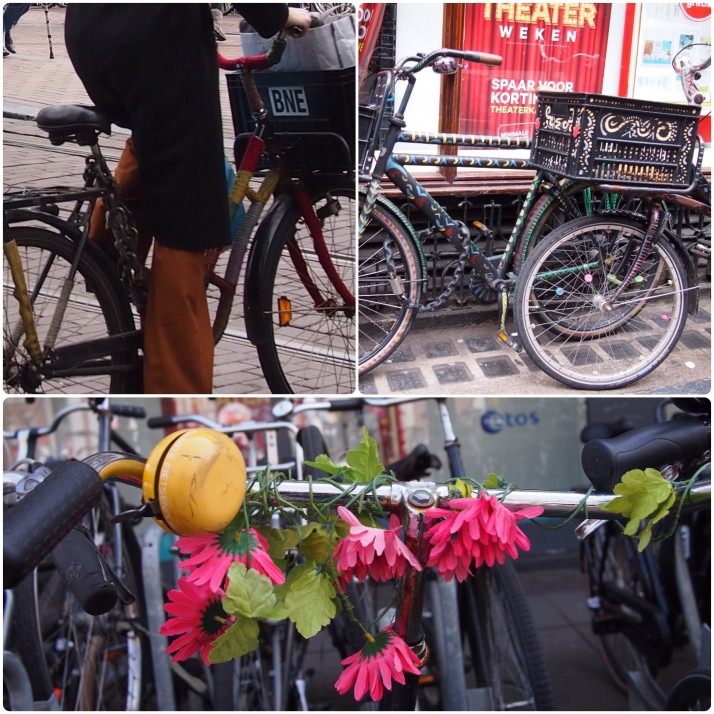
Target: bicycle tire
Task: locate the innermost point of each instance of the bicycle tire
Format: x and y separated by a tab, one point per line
691	693
567	321
46	258
507	657
314	351
611	561
385	316
92	663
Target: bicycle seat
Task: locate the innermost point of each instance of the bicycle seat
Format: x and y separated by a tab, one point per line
415	464
71	122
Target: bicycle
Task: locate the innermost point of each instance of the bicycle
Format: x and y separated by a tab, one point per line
75	630
644	604
298	287
570	308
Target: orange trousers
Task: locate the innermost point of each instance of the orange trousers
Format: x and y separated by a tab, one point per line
178	341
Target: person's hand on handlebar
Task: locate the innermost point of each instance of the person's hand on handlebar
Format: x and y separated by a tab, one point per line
298	22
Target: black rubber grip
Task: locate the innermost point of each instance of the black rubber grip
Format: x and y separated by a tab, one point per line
653	446
34	526
346	405
126	410
161	421
79	563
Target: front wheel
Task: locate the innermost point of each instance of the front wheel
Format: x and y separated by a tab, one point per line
390	280
506	656
574	320
306	307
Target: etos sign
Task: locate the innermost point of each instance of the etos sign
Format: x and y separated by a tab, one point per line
696	11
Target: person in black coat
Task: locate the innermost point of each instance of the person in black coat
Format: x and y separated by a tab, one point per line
153	68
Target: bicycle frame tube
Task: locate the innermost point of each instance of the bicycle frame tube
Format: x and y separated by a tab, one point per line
27	318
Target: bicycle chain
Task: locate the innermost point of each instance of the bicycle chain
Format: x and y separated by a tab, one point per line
126	239
450	289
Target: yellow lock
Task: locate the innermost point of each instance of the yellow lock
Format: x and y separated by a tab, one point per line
196	479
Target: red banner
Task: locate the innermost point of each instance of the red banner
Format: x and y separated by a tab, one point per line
369	22
553	45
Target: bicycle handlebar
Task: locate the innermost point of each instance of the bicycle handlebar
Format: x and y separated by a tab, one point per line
258	62
33	527
122	410
654	445
423	61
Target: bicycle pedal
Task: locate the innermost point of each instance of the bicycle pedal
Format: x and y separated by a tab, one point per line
510	341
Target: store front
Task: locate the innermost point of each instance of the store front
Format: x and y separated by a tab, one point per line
623	49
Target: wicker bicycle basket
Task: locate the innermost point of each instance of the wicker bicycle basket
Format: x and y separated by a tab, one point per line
615	139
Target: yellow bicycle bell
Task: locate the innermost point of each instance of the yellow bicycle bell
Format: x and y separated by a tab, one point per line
196	480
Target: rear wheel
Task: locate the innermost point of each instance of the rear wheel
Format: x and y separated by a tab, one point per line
81	359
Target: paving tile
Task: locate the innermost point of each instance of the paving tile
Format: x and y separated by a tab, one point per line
455	373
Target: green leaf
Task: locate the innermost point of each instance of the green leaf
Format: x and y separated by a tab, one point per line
249	594
316	542
239	639
325	463
363	461
642	496
492	481
310	599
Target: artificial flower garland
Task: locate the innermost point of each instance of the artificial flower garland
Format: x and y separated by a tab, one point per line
251	572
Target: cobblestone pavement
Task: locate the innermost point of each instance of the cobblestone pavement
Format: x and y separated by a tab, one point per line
459	353
32	80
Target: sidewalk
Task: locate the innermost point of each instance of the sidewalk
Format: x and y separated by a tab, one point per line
457	352
32	80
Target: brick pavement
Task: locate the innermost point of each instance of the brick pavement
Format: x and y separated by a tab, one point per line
458	352
32	80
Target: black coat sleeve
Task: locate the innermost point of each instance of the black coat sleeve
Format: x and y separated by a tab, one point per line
267	18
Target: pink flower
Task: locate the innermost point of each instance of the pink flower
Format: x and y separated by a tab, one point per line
376	552
212	555
374	667
480	529
199	619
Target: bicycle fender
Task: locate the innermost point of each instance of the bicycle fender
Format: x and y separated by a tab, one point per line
261	246
23	215
400	218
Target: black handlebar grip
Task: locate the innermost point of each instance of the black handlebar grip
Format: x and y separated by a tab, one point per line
346	405
126	410
80	565
653	446
34	526
160	421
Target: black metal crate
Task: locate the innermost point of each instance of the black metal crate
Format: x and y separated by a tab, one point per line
615	139
299	102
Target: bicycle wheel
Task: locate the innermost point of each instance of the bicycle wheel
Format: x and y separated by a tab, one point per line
391	267
505	659
632	634
570	323
82	359
90	663
309	323
692	693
